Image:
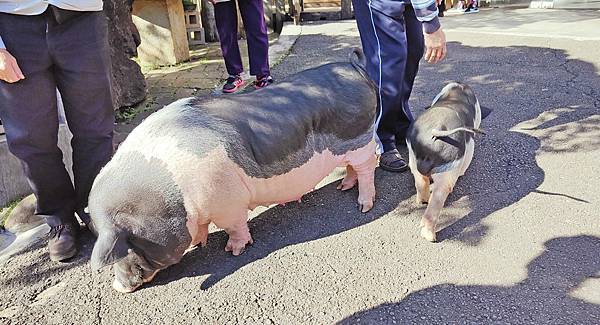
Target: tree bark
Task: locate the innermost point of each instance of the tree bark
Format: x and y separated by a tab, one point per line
128	82
346	9
208	21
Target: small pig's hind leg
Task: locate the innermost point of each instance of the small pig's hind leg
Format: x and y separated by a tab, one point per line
443	184
422	186
366	183
349	180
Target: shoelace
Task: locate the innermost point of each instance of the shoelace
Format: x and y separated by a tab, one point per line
56	231
263	81
231	80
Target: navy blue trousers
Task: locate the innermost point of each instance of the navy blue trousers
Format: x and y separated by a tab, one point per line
73	57
392	40
253	15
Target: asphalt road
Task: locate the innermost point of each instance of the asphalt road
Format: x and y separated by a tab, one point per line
521	237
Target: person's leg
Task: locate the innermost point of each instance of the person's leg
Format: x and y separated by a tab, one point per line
226	21
383	40
416	47
29	114
253	15
79	48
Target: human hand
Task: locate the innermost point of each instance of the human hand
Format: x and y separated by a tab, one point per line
435	46
9	69
212	1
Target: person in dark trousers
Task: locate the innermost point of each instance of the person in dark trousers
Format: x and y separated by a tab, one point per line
394	36
441	8
252	12
45	45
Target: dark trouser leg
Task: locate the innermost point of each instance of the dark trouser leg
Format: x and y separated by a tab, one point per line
253	15
226	20
416	47
383	40
79	48
29	113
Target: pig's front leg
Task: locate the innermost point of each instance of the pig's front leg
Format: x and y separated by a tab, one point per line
349	180
366	183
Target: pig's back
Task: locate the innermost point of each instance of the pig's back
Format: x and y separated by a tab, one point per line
276	129
273	130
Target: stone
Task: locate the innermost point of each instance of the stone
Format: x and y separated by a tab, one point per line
13	183
14	244
161	24
22	217
128	82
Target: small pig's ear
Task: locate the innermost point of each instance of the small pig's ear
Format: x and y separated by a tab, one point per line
110	247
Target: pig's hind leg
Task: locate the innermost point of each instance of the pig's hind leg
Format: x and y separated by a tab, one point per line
349	180
239	234
443	184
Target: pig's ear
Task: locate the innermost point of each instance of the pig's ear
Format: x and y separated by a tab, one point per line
110	247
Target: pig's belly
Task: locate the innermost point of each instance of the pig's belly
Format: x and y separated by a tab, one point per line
295	183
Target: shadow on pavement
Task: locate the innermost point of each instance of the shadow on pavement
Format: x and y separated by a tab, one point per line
546	296
322	213
503	171
526	120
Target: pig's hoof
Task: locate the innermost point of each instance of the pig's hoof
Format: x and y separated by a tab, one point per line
366	205
237	246
420	200
428	234
121	288
347	183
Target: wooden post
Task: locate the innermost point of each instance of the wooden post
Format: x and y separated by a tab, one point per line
161	24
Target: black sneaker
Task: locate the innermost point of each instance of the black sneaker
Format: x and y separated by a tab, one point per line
262	82
232	84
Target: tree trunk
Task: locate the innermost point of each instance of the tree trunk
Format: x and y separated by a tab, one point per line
346	9
208	22
128	82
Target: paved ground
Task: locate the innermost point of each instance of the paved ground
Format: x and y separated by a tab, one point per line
521	242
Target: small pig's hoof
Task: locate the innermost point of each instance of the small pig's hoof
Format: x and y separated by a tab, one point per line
421	201
428	234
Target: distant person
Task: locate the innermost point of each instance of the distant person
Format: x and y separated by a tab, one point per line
226	18
394	35
441	8
471	7
45	45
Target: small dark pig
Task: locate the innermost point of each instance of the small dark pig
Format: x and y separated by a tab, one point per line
440	148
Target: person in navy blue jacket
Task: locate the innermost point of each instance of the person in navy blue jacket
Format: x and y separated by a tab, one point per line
395	34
